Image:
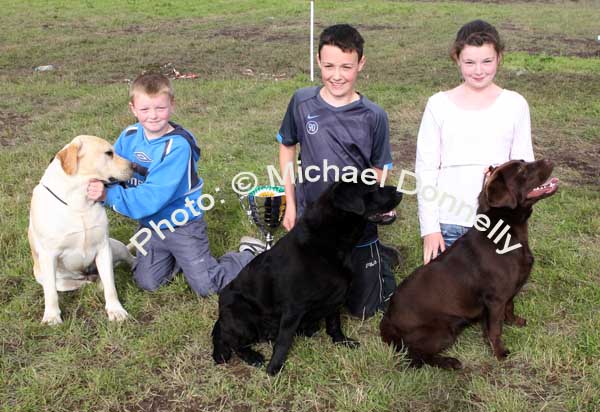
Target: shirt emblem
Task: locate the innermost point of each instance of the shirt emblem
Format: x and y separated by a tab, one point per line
312	127
142	157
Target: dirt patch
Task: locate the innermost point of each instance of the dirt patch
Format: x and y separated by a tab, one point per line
551	44
587	164
404	150
155	402
239	33
11	125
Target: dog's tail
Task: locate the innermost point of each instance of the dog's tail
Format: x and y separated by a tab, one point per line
221	350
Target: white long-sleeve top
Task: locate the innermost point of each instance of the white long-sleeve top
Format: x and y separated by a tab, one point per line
454	147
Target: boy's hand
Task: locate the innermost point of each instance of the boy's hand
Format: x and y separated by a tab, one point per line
289	219
96	190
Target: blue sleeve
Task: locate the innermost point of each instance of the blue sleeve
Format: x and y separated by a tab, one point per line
381	155
118	146
157	191
288	132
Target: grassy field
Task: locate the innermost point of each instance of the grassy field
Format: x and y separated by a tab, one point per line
250	56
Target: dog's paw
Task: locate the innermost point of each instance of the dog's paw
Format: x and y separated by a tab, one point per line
52	319
501	354
274	368
519	321
252	357
116	313
450	363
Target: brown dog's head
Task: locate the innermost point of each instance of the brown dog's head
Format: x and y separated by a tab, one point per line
517	184
93	157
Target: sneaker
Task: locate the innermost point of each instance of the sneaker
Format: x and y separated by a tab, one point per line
252	245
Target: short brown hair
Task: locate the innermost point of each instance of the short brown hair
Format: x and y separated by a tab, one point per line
344	37
151	84
476	33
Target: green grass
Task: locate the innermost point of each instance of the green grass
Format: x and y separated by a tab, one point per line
251	56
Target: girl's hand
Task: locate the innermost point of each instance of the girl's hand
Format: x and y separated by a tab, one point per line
433	245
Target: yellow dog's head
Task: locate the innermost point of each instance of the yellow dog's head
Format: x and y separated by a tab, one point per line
93	157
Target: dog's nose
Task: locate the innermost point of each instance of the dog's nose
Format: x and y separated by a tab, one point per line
547	163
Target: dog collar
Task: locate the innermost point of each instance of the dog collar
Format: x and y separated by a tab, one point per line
54	194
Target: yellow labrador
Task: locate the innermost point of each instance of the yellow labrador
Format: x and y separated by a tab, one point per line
68	232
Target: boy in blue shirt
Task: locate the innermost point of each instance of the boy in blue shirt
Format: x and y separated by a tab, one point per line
338	128
165	196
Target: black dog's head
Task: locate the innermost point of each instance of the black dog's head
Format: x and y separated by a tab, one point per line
367	201
517	184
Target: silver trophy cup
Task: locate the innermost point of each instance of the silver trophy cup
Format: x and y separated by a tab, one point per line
265	207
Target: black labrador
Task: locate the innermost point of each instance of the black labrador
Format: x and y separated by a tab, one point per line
476	278
303	279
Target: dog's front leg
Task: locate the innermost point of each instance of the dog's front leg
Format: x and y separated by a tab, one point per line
48	279
495	312
333	326
105	269
287	329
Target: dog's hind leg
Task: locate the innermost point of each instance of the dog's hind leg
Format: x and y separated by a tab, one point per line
250	356
120	253
333	326
444	362
221	350
425	343
287	329
509	315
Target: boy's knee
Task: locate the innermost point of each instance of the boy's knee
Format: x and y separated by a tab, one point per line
146	282
201	288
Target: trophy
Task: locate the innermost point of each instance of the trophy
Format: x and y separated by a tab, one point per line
265	207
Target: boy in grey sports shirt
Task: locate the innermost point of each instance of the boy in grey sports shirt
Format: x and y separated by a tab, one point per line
338	128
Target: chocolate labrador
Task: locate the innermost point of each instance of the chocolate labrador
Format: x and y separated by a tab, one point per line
476	278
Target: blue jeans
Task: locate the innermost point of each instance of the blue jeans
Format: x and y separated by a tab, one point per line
187	248
452	232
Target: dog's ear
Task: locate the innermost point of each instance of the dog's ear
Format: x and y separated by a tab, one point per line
498	193
69	158
349	197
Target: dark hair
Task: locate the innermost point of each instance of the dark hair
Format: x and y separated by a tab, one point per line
151	84
344	36
476	33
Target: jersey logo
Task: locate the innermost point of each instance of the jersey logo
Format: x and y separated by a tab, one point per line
142	157
309	117
312	127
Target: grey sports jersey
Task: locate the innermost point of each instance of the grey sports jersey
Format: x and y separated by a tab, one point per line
356	135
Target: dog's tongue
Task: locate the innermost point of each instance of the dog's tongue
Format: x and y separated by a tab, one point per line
549	187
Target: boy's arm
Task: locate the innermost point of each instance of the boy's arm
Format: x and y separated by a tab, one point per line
381	156
288	139
157	191
287	157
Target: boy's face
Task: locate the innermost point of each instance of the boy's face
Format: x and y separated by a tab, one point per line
153	112
339	71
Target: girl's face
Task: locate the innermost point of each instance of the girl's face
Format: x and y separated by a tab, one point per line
478	65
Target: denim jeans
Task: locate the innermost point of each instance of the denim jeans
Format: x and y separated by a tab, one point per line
452	232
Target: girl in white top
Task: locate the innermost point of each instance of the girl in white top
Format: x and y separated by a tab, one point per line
464	130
